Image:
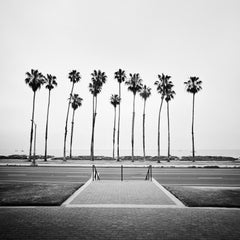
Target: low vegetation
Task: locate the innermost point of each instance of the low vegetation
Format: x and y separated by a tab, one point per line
206	196
35	194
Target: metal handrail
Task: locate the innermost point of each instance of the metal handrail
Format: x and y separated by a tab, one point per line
149	173
95	175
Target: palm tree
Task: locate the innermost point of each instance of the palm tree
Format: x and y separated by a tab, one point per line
95	87
51	83
134	85
161	88
76	102
34	80
193	85
115	100
169	95
74	77
121	77
145	93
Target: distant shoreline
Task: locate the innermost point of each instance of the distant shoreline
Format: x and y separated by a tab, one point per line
122	158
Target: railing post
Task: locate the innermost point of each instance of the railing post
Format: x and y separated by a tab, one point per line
151	171
93	172
121	172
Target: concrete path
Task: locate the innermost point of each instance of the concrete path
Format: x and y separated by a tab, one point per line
123	194
118	223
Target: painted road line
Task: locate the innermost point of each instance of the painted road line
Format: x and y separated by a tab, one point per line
17	175
209	177
171	196
76	176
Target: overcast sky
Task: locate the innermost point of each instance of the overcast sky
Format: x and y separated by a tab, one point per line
181	38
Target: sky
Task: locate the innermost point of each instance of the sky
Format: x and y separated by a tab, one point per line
181	38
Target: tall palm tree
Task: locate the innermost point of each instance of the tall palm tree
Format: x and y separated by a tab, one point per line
161	89
95	87
76	102
169	95
115	100
135	86
121	77
193	85
51	83
34	80
74	77
145	94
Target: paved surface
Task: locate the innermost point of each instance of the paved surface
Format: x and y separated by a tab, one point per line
126	192
98	223
175	176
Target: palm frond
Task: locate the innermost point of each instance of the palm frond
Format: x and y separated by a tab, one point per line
35	79
193	85
146	92
76	101
115	100
134	83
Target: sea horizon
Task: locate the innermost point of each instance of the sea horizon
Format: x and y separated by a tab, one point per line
127	152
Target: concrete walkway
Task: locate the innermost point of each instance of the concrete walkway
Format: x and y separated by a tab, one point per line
55	223
123	194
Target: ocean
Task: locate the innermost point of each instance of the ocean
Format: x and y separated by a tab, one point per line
127	152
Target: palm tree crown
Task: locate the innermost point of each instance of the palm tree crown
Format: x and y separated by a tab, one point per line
169	92
161	84
134	83
115	100
74	76
76	101
120	75
34	79
98	79
193	85
146	92
50	82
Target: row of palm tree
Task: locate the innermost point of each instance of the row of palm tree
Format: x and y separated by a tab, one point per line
164	86
35	80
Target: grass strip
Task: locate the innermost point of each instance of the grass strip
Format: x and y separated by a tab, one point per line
206	196
36	194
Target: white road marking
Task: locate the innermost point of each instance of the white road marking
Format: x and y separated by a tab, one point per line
209	177
17	175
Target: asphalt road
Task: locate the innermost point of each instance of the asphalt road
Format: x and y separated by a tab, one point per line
187	176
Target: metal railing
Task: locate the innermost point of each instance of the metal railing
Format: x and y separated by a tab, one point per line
149	173
96	176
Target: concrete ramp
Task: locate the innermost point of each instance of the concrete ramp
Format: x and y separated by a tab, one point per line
123	194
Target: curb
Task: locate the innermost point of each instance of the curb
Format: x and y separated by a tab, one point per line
75	194
171	196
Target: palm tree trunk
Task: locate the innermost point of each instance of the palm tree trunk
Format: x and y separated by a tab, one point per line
193	147
31	133
92	157
93	127
46	132
168	131
118	133
72	133
65	135
144	154
133	120
159	115
114	130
